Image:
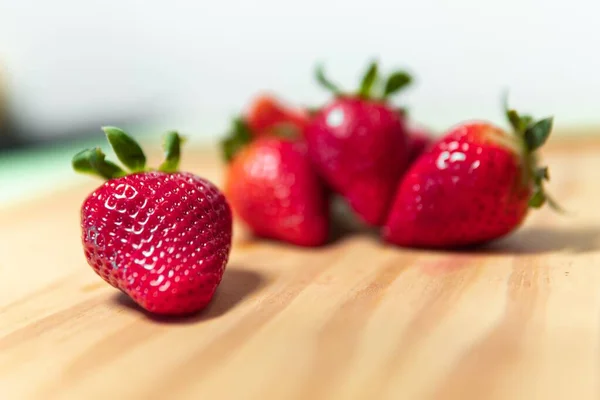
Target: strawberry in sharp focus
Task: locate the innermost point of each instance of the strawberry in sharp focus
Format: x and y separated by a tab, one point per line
273	189
161	236
474	185
358	143
268	114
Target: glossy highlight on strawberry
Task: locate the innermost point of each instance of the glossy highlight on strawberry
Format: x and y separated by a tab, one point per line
162	237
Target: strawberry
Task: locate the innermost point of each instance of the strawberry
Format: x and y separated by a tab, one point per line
267	114
161	236
357	143
273	189
474	185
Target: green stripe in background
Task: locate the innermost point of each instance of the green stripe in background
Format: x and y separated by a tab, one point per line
28	173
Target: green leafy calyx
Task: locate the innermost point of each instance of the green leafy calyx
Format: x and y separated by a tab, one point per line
373	85
126	148
532	135
238	136
129	152
369	80
396	82
172	148
93	162
325	82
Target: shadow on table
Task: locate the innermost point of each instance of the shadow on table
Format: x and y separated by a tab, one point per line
237	284
526	240
536	240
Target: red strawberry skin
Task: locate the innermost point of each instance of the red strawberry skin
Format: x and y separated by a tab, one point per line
469	188
163	239
273	189
359	147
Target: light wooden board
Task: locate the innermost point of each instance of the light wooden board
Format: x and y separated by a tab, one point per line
353	320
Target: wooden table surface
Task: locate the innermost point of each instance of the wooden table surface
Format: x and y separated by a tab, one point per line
519	319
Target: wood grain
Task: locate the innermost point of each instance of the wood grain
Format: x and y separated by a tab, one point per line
518	319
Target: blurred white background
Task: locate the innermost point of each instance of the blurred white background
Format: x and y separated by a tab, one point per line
192	65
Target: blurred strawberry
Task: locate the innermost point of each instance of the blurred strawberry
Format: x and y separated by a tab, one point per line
268	115
273	189
358	143
474	185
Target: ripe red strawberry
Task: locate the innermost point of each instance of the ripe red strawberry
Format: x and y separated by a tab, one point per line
358	144
267	114
162	237
273	189
474	185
